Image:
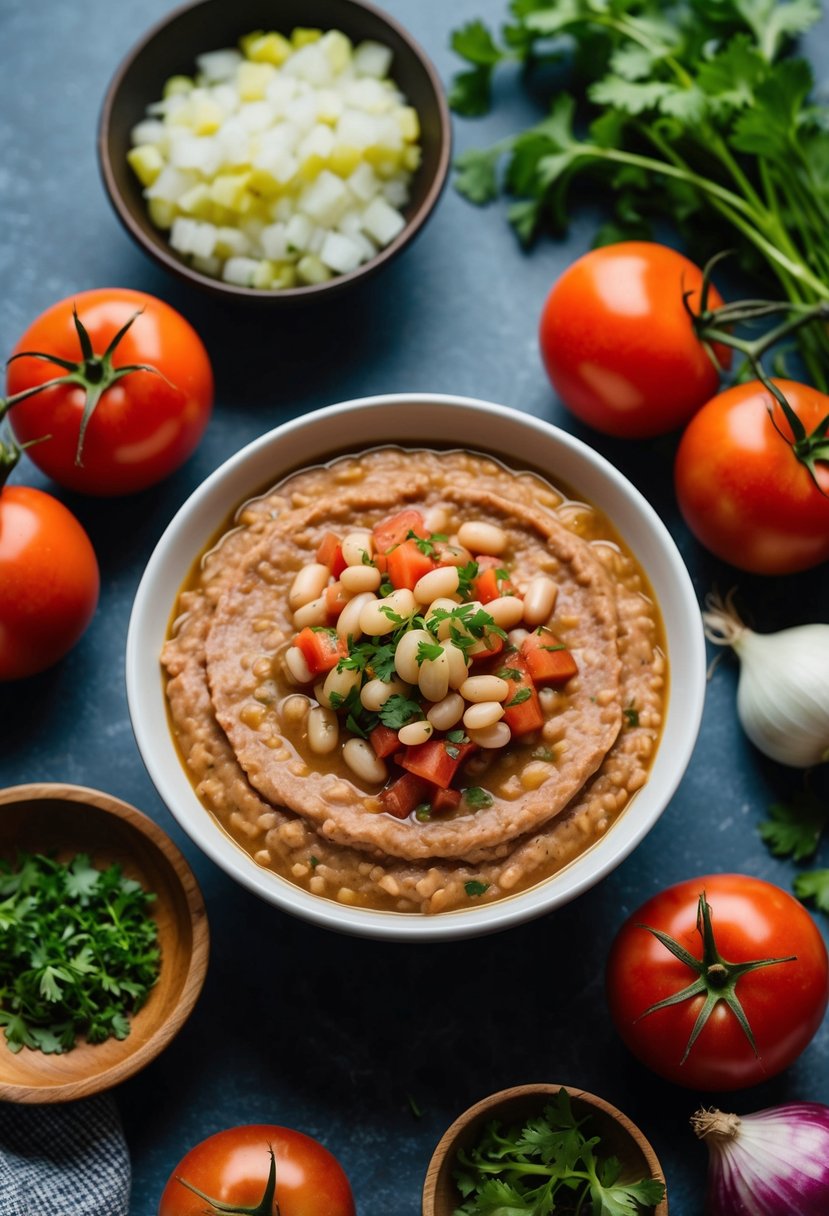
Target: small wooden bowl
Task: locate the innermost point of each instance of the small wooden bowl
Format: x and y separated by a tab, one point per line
620	1138
69	819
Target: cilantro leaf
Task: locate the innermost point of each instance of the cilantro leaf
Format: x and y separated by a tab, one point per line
477	798
428	650
475	43
520	697
398	710
813	884
794	829
474	887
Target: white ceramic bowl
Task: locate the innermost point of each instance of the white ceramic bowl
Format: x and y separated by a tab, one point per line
406	418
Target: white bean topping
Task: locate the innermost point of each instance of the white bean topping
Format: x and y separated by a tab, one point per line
446	713
348	622
482	715
506	611
315	612
360	578
433	680
482	537
539	600
458	670
436	519
453	555
294	708
323	730
484	688
354	545
415	732
308	584
375	621
360	758
341	683
405	656
437	584
297	667
517	637
491	737
376	693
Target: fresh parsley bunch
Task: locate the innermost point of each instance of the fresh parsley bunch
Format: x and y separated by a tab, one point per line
694	110
78	952
548	1166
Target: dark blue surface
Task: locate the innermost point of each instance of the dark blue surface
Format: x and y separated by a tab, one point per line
297	1026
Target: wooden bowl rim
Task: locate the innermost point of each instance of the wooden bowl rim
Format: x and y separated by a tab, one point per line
535	1089
193	979
166	257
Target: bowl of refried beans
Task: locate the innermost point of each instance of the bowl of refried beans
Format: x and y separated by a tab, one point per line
410	690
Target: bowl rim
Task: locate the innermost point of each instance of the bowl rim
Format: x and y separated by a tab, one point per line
146	699
539	1089
165	256
193	979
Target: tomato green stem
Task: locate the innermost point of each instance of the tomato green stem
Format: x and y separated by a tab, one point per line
717	978
94	374
10	453
267	1205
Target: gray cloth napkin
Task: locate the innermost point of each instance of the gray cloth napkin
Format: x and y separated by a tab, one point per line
63	1160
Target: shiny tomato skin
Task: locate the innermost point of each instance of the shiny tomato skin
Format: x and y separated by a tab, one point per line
232	1167
784	1003
618	345
49	581
743	492
145	425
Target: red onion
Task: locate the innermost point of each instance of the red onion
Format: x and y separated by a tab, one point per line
772	1163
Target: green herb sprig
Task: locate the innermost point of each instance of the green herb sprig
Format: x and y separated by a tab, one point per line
78	952
551	1164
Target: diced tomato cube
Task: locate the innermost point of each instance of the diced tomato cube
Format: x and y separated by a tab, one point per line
401	798
321	648
436	760
336	598
494	646
406	564
445	800
548	660
384	741
330	554
395	529
488	586
522	708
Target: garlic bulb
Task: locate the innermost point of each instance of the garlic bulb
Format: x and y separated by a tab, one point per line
783	691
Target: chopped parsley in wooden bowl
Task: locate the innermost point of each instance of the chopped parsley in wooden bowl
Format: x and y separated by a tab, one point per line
103	942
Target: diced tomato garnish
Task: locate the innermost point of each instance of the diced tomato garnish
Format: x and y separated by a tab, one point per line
330	554
526	715
437	760
336	598
450	555
489	587
321	647
494	646
384	741
406	564
548	660
381	562
445	800
407	792
395	529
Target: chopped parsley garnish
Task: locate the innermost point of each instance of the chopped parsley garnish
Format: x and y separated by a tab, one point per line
475	797
376	658
631	714
543	753
428	650
553	1163
423	813
468	624
313	861
396	619
386	588
560	646
520	697
424	544
323	629
474	887
511	673
457	736
358	720
466	577
794	829
452	750
80	952
398	710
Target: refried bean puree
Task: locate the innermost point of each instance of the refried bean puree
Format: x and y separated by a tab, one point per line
307	817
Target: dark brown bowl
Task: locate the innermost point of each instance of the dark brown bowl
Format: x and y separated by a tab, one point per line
70	819
171	47
620	1138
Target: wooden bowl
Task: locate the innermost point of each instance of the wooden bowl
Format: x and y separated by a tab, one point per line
69	819
170	49
620	1138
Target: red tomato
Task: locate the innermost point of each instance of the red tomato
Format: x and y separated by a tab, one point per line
48	581
618	344
784	1002
145	425
232	1168
742	489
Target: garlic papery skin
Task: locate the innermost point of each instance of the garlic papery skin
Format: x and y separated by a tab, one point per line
783	690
